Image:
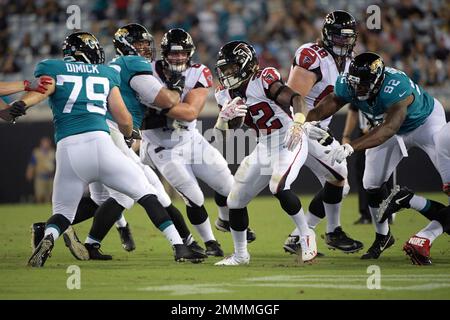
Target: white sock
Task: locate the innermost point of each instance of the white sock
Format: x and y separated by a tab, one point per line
300	221
418	203
312	220
53	231
431	231
121	222
333	214
205	231
296	232
224	213
172	235
90	240
240	242
381	228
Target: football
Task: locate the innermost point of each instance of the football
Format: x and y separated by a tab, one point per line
237	122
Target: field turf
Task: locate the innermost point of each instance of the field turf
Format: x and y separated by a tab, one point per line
151	273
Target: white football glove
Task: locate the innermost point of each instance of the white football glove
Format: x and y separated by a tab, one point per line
314	131
231	110
340	153
295	132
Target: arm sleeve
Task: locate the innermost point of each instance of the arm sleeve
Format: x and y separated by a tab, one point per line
147	87
341	89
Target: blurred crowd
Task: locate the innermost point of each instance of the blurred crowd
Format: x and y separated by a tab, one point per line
414	35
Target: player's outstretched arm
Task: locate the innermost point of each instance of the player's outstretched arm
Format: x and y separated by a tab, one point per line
38	85
120	112
152	93
325	108
192	105
393	120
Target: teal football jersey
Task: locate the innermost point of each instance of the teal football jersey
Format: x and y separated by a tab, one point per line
129	66
396	87
79	101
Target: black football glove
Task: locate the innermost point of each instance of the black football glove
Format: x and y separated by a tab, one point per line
329	139
176	82
135	135
18	108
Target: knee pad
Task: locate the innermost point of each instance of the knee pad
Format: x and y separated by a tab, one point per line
289	202
316	206
124	200
196	214
220	200
375	196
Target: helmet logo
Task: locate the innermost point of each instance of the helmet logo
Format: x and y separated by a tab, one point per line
243	51
376	66
330	19
307	60
89	40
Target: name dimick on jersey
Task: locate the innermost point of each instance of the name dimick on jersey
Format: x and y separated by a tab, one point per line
312	57
263	114
159	128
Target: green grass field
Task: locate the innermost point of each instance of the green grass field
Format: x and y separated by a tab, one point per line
150	272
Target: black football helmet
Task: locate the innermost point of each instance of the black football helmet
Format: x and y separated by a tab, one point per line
134	40
177	41
339	33
365	75
84	47
236	62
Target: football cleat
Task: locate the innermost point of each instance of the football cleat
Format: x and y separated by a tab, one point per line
234	260
42	252
126	238
224	226
418	249
213	248
77	249
309	246
183	253
292	246
95	253
194	246
381	243
397	200
339	240
37	234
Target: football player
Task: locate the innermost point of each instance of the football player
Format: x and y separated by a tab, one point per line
402	114
313	74
278	156
418	246
176	148
78	96
135	49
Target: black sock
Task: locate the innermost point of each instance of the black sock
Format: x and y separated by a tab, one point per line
375	196
239	219
197	215
289	202
432	211
155	211
445	214
104	219
316	206
59	222
85	210
178	221
332	194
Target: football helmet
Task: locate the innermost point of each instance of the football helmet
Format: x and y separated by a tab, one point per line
84	47
365	75
236	62
134	40
177	49
339	33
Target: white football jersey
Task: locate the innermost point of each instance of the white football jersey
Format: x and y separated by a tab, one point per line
165	131
263	114
317	59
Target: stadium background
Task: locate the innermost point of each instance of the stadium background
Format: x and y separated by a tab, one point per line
414	36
